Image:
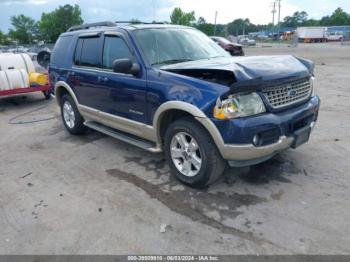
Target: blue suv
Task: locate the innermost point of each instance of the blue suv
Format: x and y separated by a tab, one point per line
171	88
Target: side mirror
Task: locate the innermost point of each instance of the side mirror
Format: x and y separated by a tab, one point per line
125	66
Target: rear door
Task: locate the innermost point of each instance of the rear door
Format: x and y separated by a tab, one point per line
85	74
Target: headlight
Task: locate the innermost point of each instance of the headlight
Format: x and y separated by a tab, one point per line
238	106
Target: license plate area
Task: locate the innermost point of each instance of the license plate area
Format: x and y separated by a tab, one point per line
301	136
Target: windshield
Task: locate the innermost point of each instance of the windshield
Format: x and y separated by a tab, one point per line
163	46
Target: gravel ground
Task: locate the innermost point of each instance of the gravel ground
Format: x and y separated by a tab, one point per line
61	194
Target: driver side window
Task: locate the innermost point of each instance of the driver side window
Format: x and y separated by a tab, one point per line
114	48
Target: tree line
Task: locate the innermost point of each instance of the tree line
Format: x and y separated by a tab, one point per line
25	30
244	26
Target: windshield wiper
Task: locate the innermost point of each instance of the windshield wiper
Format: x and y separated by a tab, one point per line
172	61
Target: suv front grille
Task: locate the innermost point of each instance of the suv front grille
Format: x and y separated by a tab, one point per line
288	93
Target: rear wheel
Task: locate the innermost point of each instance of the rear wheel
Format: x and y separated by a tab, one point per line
47	95
237	52
71	117
192	154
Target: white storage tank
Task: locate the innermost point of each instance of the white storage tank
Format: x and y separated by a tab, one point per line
16	61
4	83
17	78
15	70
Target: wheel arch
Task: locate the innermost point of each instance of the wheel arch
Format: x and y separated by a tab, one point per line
186	109
61	88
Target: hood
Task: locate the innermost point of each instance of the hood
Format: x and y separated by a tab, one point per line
247	68
235	44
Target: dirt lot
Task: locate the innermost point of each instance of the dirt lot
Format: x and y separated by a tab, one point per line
95	195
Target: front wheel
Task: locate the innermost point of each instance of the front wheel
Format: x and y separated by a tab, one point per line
192	154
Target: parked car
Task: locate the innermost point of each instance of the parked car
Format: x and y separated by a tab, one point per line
263	37
233	48
246	41
171	88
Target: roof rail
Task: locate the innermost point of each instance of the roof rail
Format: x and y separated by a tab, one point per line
90	25
138	22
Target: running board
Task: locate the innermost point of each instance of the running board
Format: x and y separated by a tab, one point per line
131	139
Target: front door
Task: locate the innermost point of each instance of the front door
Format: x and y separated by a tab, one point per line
127	93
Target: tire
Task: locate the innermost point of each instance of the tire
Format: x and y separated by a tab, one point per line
47	95
237	53
211	164
71	117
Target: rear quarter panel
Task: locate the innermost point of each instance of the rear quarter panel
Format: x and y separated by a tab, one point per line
60	64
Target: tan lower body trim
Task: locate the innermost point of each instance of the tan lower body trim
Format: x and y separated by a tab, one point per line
126	125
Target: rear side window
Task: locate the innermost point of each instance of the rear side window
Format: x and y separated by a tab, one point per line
87	52
61	49
78	51
114	48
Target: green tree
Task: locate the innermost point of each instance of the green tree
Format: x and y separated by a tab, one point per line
339	17
205	27
58	21
240	27
2	38
312	22
297	19
135	21
25	29
179	17
324	20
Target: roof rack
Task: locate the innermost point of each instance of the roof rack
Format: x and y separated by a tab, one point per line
90	25
138	22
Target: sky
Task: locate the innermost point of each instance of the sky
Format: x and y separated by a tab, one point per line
258	11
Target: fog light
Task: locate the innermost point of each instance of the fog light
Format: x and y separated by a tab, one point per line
256	140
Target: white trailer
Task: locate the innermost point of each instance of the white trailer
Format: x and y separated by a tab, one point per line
312	34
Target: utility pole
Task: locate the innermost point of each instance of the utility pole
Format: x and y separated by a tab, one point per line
273	5
154	12
273	13
216	14
279	17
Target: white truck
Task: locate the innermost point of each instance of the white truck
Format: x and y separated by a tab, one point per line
312	34
334	36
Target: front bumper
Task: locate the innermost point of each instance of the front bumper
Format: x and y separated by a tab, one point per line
286	123
248	154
